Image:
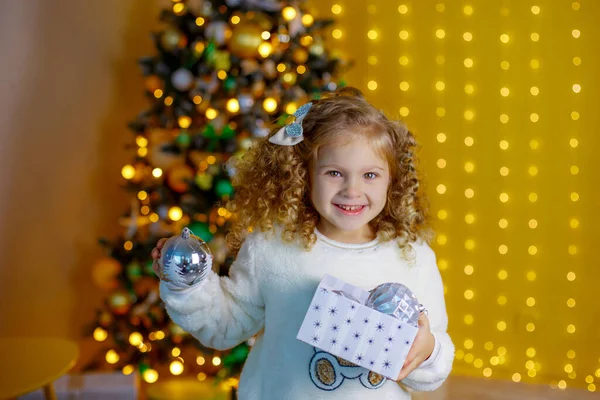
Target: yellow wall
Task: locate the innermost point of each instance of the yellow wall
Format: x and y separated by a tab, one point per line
69	83
516	255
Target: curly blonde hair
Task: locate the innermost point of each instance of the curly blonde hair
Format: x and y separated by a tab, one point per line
272	182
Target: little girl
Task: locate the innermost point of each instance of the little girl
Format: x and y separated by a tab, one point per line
335	192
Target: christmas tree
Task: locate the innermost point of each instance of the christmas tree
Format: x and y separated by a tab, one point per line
224	73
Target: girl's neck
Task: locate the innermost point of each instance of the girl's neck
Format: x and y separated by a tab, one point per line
363	235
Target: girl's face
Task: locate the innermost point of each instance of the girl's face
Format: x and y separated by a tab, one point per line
349	186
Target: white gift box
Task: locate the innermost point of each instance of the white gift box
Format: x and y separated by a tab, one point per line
92	386
354	332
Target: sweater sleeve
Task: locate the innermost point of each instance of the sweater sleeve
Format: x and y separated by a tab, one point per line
220	312
432	372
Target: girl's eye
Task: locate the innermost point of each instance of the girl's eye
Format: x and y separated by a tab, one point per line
370	175
334	173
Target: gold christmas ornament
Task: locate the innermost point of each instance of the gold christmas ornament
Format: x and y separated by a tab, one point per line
263	21
245	40
153	83
204	181
179	177
300	55
258	88
222	60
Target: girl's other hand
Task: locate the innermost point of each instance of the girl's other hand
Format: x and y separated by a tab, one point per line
421	348
156	255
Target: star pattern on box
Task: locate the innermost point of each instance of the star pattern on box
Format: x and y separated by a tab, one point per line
345	328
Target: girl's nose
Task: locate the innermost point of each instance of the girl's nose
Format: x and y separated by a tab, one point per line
351	189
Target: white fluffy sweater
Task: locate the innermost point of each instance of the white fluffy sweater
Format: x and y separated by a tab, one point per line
268	292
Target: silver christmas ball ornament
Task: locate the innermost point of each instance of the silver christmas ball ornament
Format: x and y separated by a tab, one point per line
396	300
185	260
182	79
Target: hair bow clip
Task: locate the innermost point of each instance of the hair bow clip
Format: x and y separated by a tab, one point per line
291	134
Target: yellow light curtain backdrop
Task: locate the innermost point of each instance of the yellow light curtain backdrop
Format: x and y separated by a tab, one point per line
503	96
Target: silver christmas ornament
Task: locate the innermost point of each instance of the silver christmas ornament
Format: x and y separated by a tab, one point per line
182	79
246	101
217	31
185	260
396	300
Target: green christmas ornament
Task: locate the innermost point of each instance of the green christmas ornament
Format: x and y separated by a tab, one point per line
209	51
282	119
209	132
236	356
148	270
183	140
134	271
144	367
230	83
201	230
224	188
227	132
240	353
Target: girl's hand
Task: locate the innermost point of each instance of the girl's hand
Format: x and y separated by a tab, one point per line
421	348
156	256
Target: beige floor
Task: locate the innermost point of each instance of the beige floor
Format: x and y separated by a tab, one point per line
462	388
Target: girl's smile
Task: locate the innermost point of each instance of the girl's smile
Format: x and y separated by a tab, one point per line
350	210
